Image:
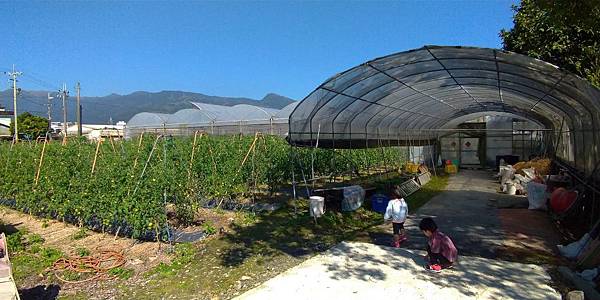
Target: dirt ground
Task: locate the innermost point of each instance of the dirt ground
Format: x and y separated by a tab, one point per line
529	233
140	255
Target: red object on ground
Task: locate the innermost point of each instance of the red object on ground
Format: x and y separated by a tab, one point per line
448	162
434	268
562	199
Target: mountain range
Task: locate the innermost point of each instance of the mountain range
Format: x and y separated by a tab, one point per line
101	110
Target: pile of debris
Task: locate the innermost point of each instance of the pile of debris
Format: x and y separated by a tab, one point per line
540	165
514	179
533	178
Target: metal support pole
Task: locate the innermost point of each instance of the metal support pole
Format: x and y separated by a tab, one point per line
79	126
64	95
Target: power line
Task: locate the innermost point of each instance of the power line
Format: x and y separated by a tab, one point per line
32	101
41	83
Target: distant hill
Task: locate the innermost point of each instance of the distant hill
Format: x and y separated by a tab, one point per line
99	110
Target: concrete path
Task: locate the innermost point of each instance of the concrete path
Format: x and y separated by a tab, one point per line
467	213
367	271
464	212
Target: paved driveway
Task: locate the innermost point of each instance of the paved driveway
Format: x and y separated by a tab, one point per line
367	271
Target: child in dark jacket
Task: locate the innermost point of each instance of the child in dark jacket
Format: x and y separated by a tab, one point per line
441	252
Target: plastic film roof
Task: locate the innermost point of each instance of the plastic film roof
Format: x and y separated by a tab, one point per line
410	95
204	114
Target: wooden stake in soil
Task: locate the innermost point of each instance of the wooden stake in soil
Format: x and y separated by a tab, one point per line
192	154
96	155
112	143
212	157
249	151
37	175
138	150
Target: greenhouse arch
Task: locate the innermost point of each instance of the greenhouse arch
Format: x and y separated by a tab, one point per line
418	95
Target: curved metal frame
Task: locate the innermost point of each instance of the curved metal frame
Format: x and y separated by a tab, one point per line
468	80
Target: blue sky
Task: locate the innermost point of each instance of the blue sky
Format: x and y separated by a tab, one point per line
229	48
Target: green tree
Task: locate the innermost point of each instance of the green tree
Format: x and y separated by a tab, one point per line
565	33
30	125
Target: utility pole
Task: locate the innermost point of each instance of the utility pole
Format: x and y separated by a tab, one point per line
13	77
79	126
64	94
50	112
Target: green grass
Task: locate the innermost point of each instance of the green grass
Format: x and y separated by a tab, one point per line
428	191
75	296
81	251
80	234
121	273
32	261
184	254
29	257
209	228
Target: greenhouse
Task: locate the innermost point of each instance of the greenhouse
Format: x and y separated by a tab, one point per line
213	119
440	96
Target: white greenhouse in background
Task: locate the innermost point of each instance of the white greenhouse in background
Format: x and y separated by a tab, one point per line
213	119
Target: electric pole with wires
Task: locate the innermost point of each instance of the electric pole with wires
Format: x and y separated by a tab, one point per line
50	112
13	77
64	94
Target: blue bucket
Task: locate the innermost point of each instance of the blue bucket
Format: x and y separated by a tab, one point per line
379	202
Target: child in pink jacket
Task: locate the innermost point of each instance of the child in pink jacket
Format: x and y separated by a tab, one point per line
441	252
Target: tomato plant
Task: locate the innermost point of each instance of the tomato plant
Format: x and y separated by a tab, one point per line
133	181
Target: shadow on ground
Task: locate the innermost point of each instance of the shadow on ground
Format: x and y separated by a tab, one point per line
294	234
40	292
359	270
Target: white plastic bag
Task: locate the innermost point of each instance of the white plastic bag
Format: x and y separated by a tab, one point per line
529	173
536	195
522	179
573	249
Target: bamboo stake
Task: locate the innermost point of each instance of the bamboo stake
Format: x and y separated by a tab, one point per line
64	141
37	175
212	157
112	143
146	164
249	151
138	150
192	155
96	155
